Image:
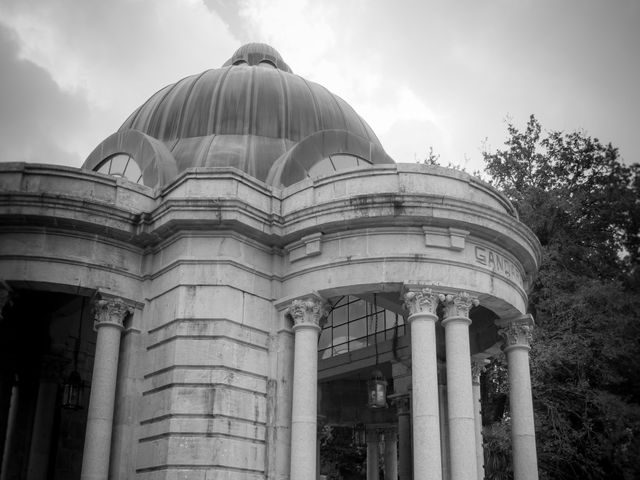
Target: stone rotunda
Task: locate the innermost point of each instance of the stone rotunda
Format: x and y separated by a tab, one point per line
224	275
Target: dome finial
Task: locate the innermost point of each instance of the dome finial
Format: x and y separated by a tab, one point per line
253	54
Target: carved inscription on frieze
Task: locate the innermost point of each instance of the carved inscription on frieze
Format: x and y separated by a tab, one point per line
496	262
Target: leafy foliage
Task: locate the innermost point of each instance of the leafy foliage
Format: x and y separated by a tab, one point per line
583	203
341	456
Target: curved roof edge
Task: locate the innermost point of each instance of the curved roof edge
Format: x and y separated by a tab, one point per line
156	163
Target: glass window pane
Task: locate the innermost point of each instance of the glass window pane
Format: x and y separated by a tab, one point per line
118	163
357	329
340	334
339	315
357	309
376	326
325	338
343	161
132	172
357	344
323	167
342	301
389	319
104	167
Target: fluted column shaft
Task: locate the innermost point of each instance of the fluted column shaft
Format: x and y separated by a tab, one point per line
422	306
517	336
110	315
307	316
462	436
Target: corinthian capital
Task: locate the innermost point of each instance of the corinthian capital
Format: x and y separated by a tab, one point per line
517	332
308	311
422	300
458	304
111	311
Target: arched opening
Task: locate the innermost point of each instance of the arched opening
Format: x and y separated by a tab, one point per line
47	338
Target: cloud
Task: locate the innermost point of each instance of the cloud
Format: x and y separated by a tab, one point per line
114	54
326	42
37	119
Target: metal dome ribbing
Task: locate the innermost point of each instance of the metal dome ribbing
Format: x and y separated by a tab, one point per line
248	114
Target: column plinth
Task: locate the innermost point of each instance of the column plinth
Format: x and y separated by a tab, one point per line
422	305
307	315
462	436
109	323
517	336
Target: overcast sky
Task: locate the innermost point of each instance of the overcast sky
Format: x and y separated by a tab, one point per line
441	74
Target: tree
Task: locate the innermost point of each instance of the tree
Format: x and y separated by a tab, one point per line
583	203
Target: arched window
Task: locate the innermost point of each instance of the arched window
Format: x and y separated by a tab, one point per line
121	165
355	323
267	63
335	162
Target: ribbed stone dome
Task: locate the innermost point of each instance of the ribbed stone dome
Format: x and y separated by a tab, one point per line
252	114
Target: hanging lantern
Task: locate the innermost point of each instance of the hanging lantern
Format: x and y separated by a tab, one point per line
72	392
377	387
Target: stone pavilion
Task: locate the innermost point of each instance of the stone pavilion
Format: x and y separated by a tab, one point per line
224	274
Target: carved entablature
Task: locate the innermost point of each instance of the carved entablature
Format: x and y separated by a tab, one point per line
308	311
517	332
458	305
422	300
111	311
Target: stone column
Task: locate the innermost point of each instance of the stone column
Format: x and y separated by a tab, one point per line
322	421
372	454
477	366
44	417
462	435
517	335
422	305
307	315
6	386
404	437
12	421
390	454
109	323
444	419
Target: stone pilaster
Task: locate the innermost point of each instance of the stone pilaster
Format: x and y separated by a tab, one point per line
110	314
462	436
517	337
307	315
422	304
